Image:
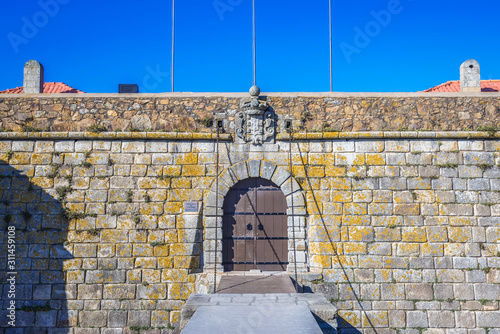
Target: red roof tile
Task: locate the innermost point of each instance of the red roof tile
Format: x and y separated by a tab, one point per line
454	86
48	88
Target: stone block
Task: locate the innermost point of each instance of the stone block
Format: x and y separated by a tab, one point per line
419	291
493	234
119	291
64	146
46	319
280	176
488	319
478	184
441	319
397	318
375	319
443	291
469	171
112	330
416	319
450	276
133	146
393	183
392	291
349	291
102	145
139	319
424	146
380	209
343	146
93	318
487	291
254	168
395	159
91	291
478	158
117	318
370	291
456	209
152	291
160	318
24	319
83	146
180	147
465	319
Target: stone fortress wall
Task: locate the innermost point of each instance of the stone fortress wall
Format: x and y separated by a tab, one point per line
400	229
193	111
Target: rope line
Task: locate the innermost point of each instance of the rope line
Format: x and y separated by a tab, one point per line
292	213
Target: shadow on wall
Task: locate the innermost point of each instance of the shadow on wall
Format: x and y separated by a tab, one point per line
35	220
346	328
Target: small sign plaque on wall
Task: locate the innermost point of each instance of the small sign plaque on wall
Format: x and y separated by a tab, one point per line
190	206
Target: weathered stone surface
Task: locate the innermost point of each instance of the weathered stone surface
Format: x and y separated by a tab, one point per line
400	238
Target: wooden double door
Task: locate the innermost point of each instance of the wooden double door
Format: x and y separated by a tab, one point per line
255	234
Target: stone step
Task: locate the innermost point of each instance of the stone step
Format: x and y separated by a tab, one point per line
270	318
316	304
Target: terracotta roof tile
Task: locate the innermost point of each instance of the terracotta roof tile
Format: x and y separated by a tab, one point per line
454	86
48	88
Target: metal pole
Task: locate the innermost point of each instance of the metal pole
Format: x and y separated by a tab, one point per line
330	25
254	46
173	43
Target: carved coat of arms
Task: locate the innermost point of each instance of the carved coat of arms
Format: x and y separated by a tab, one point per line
255	122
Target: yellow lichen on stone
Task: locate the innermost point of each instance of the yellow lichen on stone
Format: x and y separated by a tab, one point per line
319	248
375	159
353	318
299	171
414	234
193	170
165	262
321	261
433	250
341	196
171	170
175	276
360	233
42	182
315	171
408	249
460	234
186	262
437	234
187	159
331	170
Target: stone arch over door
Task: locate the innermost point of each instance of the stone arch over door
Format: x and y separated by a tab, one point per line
213	210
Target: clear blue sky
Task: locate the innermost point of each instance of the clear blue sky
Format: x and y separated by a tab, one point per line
94	45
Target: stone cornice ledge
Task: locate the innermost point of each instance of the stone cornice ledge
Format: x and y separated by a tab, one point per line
229	137
390	135
115	135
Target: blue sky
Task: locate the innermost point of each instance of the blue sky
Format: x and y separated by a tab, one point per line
378	45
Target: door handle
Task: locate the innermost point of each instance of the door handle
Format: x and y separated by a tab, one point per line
249	227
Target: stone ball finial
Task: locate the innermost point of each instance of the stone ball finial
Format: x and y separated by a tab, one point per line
254	91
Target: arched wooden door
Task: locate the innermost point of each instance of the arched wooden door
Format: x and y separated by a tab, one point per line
255	234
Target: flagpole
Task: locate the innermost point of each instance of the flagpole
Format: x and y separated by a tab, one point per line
330	34
254	46
173	43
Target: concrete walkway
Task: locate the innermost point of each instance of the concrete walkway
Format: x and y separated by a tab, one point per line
258	313
268	318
